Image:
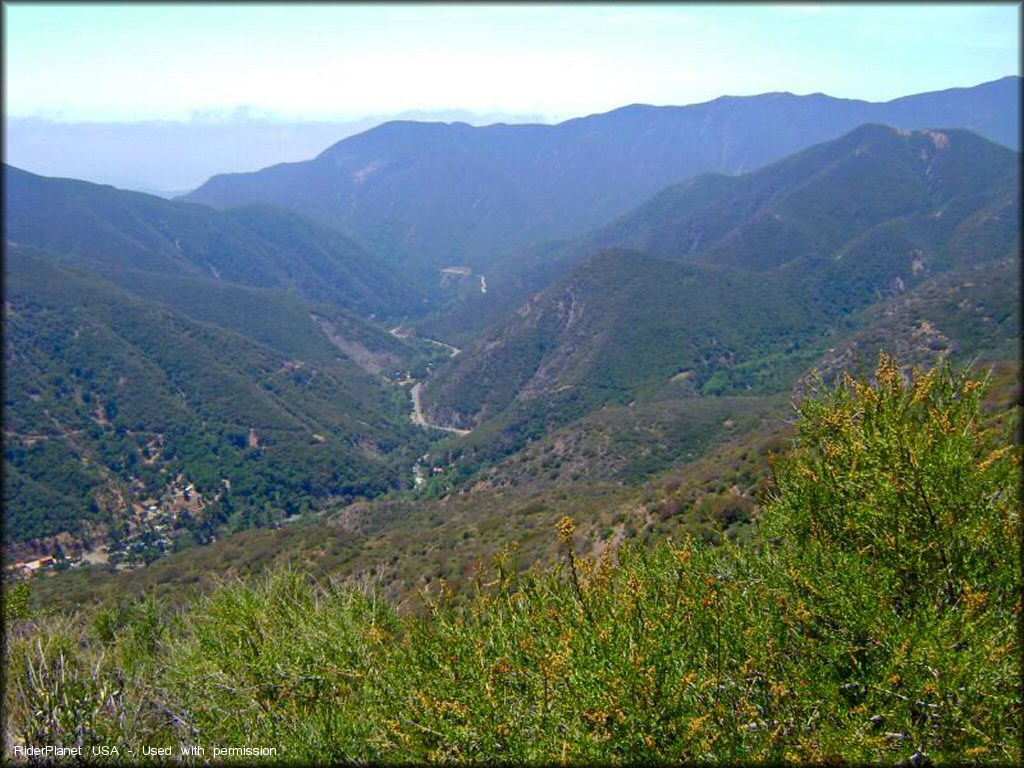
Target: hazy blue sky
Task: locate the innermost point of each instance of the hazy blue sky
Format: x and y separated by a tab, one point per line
86	61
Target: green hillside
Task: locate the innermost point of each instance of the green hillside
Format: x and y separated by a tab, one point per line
875	622
743	281
155	347
872	197
111	400
110	230
858	219
288	323
970	314
621	326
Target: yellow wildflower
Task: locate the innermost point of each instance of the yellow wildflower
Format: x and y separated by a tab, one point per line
996	454
923	385
888	372
566	527
975	601
698	723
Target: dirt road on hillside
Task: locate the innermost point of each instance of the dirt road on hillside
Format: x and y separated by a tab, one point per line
418	417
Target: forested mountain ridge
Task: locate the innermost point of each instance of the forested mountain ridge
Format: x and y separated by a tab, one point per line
620	321
799	207
112	402
812	203
431	194
152	346
111	230
746	271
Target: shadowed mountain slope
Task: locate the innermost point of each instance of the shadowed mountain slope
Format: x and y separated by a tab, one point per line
433	194
109	230
749	275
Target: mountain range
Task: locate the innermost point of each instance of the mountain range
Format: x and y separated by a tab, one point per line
429	195
728	283
701	274
171	157
111	230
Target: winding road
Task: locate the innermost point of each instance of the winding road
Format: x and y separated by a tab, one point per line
417	408
420	419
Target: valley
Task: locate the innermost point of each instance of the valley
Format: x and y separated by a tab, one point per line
718	287
417	412
623	335
453	432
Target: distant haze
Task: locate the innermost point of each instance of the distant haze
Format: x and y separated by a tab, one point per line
328	61
161	96
173	157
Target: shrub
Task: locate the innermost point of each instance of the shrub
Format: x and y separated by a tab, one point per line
876	621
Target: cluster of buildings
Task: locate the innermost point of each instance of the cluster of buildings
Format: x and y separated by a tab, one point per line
147	535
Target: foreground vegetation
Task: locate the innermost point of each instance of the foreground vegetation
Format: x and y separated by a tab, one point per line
875	621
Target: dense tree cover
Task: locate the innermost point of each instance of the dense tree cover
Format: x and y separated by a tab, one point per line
739	284
968	314
624	444
110	398
621	326
876	621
